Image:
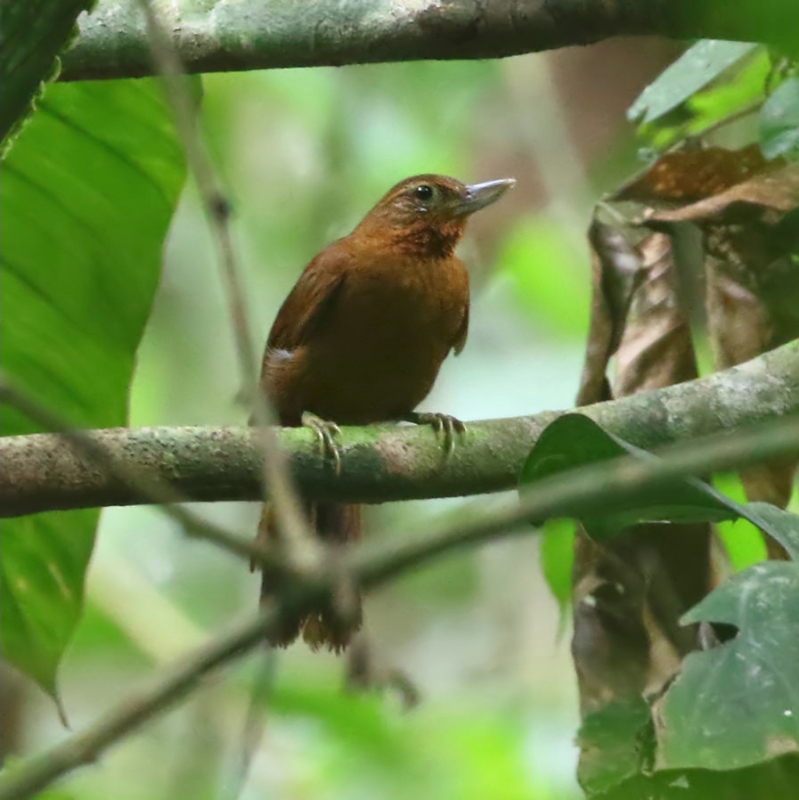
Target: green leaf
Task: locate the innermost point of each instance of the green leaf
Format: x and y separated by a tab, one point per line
738	703
742	540
783	526
778	126
31	35
697	67
574	440
615	745
87	194
709	107
557	558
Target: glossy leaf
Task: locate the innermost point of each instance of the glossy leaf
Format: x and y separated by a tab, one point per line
87	194
31	35
778	126
697	67
712	105
738	703
574	440
780	525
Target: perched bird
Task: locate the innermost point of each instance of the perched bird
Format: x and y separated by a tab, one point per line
361	338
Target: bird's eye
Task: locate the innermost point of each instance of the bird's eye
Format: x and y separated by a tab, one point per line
424	192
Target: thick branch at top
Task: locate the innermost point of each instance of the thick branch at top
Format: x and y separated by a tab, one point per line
257	34
44	472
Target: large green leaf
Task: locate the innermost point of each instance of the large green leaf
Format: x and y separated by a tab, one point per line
574	440
87	194
738	703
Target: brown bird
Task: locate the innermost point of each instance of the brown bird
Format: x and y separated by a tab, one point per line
361	338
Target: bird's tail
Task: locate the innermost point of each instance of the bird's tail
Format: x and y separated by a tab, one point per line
333	624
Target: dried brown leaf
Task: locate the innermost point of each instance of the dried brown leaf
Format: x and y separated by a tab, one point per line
686	176
615	269
776	190
753	292
746	209
630	592
656	349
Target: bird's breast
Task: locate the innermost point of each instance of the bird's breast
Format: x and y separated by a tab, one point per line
379	351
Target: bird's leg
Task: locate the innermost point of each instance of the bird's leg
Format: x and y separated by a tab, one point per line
326	432
440	423
363	674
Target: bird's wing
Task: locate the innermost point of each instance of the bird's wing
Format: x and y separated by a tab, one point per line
309	302
459	342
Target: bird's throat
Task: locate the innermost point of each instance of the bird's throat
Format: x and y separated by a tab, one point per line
429	241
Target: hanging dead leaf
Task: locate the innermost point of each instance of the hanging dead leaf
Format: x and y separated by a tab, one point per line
751	236
629	593
656	348
615	271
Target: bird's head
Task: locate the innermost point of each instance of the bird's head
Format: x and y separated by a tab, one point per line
427	214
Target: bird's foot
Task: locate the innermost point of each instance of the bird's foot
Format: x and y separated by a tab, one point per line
326	432
440	423
363	674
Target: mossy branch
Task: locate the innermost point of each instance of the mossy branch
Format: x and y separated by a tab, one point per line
44	472
232	35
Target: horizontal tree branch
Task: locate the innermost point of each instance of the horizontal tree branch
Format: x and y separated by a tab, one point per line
586	490
257	34
42	472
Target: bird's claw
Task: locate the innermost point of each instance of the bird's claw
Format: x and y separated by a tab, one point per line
326	432
441	423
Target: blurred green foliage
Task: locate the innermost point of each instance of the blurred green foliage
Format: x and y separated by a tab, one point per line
549	275
304	153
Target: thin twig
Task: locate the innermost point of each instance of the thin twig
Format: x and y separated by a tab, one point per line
165	690
217	209
302	551
580	492
147	487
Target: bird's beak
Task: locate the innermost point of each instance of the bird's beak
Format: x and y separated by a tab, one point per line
480	195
